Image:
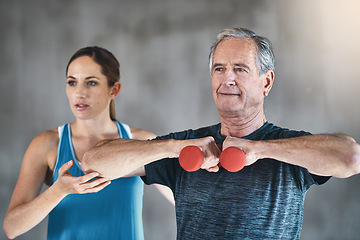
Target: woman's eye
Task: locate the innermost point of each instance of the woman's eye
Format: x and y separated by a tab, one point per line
71	83
92	83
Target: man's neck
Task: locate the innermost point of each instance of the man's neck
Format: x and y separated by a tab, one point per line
241	126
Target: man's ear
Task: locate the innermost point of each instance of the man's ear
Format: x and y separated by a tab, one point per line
269	77
115	90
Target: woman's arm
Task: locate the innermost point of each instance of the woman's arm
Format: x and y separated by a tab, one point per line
27	208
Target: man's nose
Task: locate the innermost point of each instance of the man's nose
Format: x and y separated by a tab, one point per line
230	78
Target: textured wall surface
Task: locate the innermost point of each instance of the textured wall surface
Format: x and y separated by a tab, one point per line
163	47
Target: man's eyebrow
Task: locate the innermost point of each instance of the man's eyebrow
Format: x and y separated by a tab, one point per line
236	64
242	65
217	65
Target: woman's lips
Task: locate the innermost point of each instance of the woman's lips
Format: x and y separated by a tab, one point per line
81	106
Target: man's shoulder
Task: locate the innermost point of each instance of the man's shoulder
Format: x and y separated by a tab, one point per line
271	131
193	133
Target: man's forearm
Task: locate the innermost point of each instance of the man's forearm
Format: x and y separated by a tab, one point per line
127	157
121	157
324	155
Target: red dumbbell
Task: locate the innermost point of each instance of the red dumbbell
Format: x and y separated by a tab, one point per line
191	158
232	159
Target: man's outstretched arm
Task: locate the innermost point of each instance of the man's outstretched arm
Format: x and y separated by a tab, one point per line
127	157
335	155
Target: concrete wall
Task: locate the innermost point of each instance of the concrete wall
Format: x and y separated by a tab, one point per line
163	46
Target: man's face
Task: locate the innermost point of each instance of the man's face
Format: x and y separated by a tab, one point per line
237	88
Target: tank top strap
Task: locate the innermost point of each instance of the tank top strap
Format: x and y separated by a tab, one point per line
63	143
124	130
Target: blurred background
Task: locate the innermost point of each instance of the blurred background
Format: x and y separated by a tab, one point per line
163	48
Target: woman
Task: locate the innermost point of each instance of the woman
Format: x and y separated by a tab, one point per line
54	157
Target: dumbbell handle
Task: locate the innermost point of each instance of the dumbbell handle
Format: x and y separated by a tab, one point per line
232	159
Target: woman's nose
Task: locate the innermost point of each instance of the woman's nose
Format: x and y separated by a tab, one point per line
80	92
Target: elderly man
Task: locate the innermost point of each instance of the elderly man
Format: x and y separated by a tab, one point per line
265	199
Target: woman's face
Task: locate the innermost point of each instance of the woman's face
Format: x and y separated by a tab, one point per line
87	89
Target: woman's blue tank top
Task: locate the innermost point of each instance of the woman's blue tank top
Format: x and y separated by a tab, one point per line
112	213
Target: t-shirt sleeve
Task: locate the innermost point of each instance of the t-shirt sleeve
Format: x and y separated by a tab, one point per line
319	180
305	179
162	172
304	175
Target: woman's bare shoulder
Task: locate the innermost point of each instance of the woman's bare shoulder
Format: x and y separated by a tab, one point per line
47	138
141	134
45	145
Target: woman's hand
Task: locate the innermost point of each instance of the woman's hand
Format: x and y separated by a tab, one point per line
89	183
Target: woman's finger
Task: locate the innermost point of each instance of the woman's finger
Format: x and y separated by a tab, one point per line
87	177
96	185
64	168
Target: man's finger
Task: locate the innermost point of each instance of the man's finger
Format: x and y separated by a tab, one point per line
213	169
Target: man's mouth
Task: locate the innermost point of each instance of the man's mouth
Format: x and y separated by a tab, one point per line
229	94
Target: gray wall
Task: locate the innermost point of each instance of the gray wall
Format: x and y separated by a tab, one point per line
163	47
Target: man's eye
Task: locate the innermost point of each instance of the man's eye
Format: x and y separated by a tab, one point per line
218	69
240	69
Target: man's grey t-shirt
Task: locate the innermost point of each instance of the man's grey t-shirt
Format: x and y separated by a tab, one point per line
262	201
